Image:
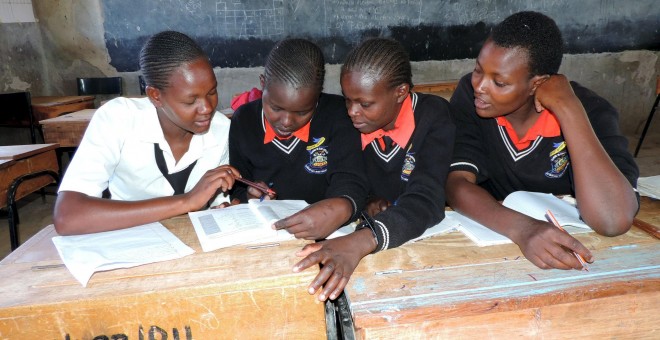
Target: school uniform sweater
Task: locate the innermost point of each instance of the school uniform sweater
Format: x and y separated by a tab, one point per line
412	176
328	165
484	148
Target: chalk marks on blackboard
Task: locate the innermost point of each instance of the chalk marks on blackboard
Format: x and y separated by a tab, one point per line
240	20
348	18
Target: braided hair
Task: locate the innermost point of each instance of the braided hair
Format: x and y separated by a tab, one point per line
382	58
537	34
295	62
163	53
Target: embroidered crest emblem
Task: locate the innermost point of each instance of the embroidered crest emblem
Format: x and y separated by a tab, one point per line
318	157
558	161
408	165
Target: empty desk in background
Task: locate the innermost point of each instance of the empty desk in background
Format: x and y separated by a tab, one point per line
44	107
228	293
20	161
443	89
67	130
447	287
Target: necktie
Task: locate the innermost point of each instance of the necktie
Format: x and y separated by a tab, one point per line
386	144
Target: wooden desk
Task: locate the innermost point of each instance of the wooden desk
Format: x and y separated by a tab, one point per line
25	169
442	89
67	130
25	159
44	107
447	287
225	294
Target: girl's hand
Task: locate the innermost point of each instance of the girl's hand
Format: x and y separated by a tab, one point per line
214	180
339	257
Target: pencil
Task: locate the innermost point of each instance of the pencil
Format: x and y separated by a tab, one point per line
256	185
647	227
554	221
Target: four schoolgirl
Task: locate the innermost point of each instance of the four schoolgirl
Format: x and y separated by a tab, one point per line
380	153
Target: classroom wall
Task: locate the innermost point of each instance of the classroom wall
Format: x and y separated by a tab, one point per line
69	41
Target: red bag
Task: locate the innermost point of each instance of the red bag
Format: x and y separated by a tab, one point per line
245	97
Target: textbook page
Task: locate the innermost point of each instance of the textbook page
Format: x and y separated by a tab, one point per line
449	223
86	254
535	205
243	223
649	186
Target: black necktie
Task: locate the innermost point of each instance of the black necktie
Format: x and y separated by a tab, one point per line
386	144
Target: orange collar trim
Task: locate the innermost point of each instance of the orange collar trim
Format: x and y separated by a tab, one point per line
302	133
403	127
546	126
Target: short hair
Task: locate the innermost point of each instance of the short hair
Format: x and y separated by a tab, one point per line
295	62
163	53
382	58
536	33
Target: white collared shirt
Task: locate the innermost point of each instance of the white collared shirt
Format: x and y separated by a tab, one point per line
117	152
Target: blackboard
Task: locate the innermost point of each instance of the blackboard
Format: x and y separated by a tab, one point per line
240	33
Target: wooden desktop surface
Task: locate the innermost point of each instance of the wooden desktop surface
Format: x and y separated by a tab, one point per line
44	107
228	293
448	287
67	130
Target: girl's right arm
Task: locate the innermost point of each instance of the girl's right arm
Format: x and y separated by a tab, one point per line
78	213
540	242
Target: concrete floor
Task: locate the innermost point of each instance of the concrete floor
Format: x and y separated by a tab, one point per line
35	212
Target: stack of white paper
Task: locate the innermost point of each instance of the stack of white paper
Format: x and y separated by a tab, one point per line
84	255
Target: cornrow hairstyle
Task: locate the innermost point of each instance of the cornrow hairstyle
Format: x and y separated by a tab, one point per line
538	34
295	62
382	58
163	53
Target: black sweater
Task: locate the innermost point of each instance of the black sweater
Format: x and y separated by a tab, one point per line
414	177
329	165
485	149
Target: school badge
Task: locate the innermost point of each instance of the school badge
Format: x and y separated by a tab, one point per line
558	161
318	157
408	165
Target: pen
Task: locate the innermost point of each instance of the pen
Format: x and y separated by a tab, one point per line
554	221
256	185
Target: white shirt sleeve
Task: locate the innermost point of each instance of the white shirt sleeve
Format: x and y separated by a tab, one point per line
98	154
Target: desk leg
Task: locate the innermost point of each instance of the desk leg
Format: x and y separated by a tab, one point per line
11	202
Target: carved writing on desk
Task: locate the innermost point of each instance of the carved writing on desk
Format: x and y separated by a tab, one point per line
153	332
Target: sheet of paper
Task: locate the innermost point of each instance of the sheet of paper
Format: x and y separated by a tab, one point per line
449	223
84	255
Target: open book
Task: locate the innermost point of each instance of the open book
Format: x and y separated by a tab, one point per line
243	223
649	186
533	204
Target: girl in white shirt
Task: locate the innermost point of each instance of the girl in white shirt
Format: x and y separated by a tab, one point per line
159	156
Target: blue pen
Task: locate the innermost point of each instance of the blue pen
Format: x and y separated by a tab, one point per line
263	196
